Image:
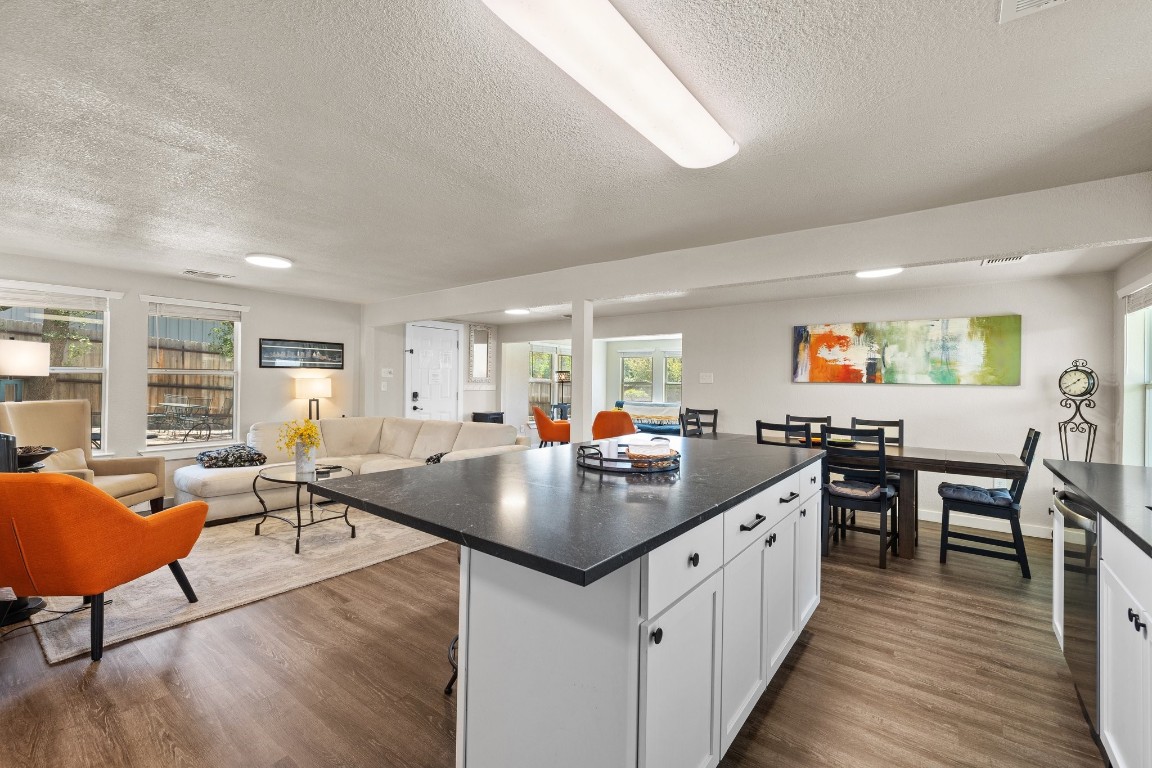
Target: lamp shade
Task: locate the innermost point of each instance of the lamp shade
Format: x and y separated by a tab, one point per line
24	358
309	388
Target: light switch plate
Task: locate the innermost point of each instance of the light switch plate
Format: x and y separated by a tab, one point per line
383	386
706	378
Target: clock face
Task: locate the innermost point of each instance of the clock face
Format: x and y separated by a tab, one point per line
1077	382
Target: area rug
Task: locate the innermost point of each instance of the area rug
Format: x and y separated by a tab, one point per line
229	567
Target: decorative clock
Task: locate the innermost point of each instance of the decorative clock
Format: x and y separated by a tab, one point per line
1078	383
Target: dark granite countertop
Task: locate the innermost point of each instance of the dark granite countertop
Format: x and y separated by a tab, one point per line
538	509
1119	492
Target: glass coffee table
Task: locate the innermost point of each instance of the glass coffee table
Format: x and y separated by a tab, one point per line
286	475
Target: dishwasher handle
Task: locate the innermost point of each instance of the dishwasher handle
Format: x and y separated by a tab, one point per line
1085	520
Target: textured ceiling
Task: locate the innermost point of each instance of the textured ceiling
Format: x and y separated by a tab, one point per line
397	147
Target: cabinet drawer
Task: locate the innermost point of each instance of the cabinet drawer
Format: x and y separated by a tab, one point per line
1126	560
744	523
673	569
810	479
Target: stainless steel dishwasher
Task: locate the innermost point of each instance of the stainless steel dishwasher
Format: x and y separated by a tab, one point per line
1081	630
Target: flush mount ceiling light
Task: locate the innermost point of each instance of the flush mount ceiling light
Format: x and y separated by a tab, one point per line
517	311
598	49
880	272
268	260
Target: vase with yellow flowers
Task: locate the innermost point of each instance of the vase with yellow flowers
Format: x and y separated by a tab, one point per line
303	437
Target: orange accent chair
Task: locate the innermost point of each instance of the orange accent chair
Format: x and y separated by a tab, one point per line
62	536
612	424
551	432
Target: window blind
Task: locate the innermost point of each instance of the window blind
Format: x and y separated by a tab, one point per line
12	296
201	310
1141	299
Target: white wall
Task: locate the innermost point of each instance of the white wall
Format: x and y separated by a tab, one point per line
265	393
747	348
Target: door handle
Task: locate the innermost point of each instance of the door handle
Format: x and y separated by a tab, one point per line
791	497
759	519
417	408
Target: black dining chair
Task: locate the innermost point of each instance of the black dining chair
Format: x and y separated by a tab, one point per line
856	480
690	425
893	435
706	418
789	435
815	421
1001	503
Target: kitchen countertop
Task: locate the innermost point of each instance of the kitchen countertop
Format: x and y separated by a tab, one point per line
1119	492
537	509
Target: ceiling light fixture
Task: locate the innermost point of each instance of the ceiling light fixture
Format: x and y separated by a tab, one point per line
268	260
517	311
888	272
601	51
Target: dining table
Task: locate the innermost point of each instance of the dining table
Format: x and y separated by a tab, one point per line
907	461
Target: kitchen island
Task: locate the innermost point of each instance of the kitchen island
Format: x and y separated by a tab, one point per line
615	620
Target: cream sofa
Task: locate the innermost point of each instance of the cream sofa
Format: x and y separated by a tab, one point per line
363	444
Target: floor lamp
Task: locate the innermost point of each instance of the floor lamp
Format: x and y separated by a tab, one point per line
313	390
18	359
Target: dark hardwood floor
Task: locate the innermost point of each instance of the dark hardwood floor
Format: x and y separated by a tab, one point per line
920	665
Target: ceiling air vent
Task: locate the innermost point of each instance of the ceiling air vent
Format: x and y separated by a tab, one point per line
1010	10
207	275
1002	260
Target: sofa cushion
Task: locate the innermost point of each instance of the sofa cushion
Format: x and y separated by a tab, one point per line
352	436
353	462
263	436
397	436
478	435
385	463
125	485
73	458
475	453
435	437
206	483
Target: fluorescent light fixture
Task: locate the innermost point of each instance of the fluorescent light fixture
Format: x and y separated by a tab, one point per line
888	272
598	48
268	260
24	358
517	311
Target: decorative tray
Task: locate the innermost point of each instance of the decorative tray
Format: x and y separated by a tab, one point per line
632	460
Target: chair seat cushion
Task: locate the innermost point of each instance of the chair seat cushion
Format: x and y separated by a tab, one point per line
1000	497
118	486
854	489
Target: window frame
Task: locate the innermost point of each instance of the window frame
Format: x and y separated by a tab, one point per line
651	358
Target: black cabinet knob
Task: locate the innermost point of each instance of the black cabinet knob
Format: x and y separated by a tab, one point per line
657	635
804	513
812	479
770	540
1135	619
1132	614
694	559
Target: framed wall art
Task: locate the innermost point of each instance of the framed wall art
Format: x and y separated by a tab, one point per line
286	353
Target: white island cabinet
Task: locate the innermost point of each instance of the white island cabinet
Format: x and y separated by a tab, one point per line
1125	650
656	665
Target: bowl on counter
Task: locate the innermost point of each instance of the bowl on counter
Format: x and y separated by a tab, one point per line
28	455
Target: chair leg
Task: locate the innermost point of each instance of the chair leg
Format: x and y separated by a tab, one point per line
97	611
944	534
1018	540
182	580
883	538
157	505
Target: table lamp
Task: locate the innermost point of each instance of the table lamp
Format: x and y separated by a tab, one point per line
313	390
21	359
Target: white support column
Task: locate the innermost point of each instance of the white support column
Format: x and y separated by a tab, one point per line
582	406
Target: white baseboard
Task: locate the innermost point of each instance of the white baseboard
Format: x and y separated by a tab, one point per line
986	523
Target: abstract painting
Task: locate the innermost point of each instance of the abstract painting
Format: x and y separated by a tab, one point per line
958	350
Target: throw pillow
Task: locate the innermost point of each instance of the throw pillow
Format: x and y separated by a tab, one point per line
231	456
73	458
435	458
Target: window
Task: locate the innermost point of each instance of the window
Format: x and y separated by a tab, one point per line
636	379
673	378
192	371
72	322
540	380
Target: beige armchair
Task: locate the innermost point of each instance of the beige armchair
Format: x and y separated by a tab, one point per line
67	426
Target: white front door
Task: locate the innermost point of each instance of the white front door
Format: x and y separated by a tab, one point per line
432	373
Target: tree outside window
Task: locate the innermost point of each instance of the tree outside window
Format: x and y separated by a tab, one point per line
636	379
673	379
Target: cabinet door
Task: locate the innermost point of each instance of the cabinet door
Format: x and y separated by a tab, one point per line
1058	576
808	559
744	646
1125	677
780	591
680	681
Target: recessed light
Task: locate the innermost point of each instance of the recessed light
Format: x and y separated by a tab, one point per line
268	260
517	311
880	272
600	50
